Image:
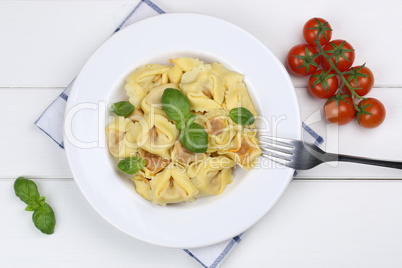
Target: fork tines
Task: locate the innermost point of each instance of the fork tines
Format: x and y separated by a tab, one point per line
276	149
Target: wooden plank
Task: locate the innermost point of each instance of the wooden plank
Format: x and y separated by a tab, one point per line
82	237
327	224
58	35
61	35
313	223
26	150
21	107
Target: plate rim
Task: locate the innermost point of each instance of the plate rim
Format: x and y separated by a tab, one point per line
295	102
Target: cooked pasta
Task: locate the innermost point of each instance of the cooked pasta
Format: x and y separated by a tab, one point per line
211	175
119	143
173	173
172	185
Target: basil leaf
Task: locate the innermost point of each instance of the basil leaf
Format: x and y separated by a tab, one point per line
27	191
41	200
44	219
35	205
131	165
32	207
194	138
181	124
122	108
242	116
190	118
176	106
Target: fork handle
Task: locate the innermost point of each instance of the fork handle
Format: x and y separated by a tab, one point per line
362	160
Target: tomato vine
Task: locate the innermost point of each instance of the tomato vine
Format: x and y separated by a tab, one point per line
336	58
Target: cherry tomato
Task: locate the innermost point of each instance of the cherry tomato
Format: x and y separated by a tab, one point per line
303	59
323	84
339	110
341	54
372	113
317	28
359	77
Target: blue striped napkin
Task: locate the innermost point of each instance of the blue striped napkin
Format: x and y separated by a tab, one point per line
51	123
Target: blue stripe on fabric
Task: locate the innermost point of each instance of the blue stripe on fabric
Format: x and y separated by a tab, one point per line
37	120
60	144
318	138
129	15
153	6
193	256
218	260
224	253
63	96
237	238
149	3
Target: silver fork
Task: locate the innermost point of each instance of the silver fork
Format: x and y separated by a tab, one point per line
303	155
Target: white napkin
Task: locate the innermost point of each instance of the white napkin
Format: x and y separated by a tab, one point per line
51	123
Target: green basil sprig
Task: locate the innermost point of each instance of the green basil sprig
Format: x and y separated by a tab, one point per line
122	108
177	108
131	165
242	116
43	216
194	138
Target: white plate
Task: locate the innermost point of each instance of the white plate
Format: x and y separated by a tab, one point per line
207	220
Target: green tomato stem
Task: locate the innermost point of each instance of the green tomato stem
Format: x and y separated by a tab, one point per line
344	81
333	66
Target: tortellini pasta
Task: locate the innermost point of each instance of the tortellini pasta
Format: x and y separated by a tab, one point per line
172	185
186	64
172	173
228	77
237	96
153	163
119	143
142	186
183	157
244	149
203	88
143	79
152	103
155	134
220	128
211	175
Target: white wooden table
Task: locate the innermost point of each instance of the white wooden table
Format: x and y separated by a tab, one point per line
341	215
